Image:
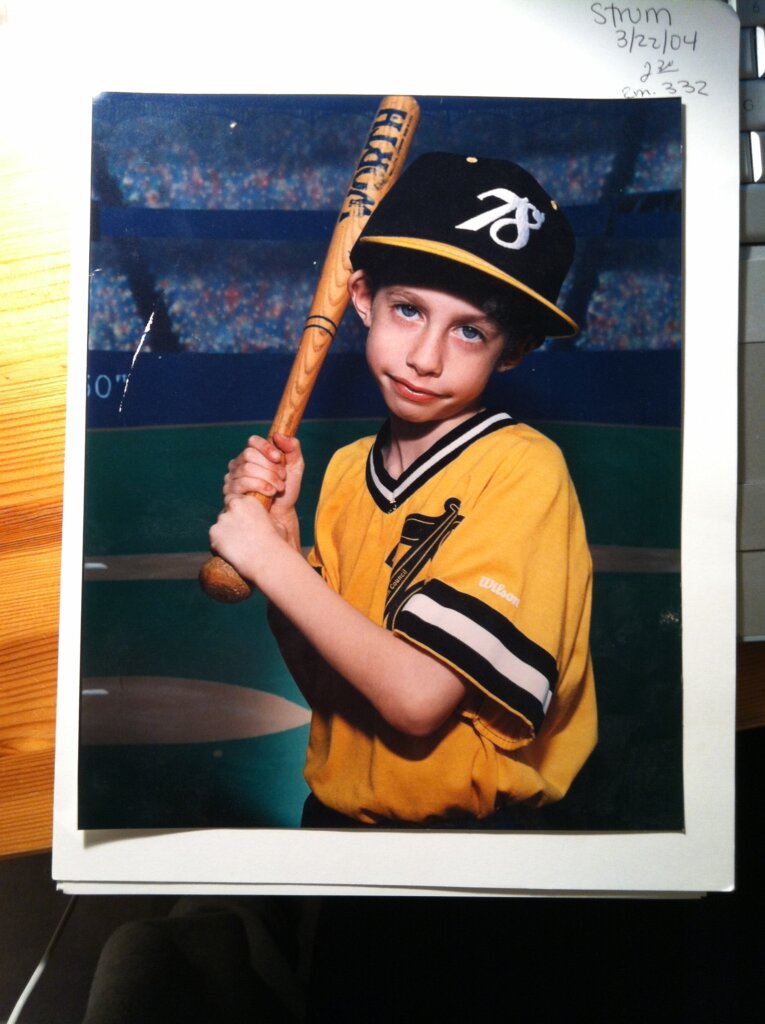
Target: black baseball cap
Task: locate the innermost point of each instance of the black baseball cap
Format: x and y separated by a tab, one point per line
466	221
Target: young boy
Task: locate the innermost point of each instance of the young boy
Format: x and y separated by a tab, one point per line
440	627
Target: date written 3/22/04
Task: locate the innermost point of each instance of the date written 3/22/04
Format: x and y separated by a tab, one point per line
661	42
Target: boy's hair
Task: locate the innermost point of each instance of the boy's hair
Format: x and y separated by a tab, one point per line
480	228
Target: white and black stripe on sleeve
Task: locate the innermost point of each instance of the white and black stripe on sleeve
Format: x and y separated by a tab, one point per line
482	644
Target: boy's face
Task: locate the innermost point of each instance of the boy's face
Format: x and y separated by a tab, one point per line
431	352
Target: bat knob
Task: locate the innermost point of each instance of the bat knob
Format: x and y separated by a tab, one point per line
222	582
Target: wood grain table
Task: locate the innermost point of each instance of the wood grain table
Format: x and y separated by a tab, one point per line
34	291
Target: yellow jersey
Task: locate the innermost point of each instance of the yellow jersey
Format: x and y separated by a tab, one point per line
477	554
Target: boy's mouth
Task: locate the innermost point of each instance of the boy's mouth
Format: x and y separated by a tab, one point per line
414	394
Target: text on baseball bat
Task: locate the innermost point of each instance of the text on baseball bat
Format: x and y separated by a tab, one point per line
380	148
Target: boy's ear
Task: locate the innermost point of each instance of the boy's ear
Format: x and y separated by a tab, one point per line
507	363
360	290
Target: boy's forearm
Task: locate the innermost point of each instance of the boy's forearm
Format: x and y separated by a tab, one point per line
409	688
299	657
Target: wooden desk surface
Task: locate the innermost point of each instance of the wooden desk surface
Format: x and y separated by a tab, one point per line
34	287
34	290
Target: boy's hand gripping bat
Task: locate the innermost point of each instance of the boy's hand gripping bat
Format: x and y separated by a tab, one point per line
379	165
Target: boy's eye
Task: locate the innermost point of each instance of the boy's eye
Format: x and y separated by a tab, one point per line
470	333
407	310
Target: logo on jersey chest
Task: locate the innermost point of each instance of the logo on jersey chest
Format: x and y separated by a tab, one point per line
421	537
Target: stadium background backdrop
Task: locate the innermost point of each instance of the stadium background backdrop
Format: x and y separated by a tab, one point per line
210	219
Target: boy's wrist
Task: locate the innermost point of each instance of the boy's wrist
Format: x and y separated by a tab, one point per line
274	568
287	524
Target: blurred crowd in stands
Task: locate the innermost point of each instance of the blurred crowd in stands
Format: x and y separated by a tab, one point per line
633	310
284	163
235	304
232	304
234	297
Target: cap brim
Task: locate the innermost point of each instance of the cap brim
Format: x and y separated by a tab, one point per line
554	321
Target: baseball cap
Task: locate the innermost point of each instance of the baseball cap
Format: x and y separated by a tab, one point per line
476	221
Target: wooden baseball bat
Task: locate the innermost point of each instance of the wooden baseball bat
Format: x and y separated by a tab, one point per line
380	163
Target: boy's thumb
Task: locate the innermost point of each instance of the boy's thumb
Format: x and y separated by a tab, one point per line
288	445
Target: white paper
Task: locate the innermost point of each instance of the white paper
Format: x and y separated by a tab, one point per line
543	48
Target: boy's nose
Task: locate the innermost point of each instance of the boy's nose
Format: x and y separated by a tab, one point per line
425	355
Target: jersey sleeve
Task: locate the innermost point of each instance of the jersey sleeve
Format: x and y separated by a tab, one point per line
323	557
315	560
506	600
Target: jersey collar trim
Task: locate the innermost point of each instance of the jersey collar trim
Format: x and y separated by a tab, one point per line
388	493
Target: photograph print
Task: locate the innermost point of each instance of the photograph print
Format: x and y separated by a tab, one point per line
210	220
